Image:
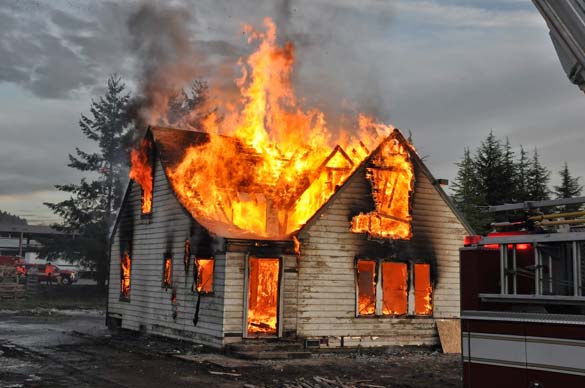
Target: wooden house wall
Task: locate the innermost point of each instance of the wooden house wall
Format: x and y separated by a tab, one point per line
327	286
149	307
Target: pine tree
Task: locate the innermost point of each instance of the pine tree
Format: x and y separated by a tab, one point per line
521	179
490	164
538	177
568	188
90	210
466	193
508	175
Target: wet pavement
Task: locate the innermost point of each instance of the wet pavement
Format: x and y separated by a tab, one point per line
50	348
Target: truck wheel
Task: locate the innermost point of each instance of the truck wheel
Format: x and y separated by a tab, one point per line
66	281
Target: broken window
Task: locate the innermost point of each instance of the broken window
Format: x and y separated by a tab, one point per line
394	288
385	288
422	289
125	266
204	269
167	272
366	281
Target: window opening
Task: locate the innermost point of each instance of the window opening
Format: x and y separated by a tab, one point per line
422	289
125	266
394	288
366	279
205	269
167	272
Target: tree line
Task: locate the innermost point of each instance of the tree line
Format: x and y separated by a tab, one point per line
494	175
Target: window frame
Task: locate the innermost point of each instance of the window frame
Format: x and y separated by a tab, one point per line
410	287
167	257
123	297
196	275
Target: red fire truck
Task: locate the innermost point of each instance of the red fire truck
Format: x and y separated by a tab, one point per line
523	299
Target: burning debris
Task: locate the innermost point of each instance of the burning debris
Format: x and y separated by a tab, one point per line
141	172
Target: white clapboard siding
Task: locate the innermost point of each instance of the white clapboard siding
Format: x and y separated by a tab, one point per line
326	305
150	307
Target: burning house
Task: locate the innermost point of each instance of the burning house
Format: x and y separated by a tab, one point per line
265	224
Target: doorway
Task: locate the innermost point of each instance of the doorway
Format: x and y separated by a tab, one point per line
263	296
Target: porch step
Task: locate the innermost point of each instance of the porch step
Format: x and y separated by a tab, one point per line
268	350
264	346
271	355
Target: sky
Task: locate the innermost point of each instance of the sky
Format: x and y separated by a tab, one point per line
448	71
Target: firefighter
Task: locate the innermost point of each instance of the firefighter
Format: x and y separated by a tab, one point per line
49	271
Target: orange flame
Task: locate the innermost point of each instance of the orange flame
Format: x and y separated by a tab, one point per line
125	265
394	287
204	276
167	273
141	172
392	175
366	271
263	296
422	289
281	162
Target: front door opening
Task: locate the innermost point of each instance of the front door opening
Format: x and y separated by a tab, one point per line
263	296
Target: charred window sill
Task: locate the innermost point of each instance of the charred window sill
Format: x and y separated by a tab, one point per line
124	299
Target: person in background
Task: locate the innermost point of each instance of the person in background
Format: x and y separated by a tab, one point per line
49	270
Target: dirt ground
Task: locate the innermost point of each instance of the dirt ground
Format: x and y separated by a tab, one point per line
44	346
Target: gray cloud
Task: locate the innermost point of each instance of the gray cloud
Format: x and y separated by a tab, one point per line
448	71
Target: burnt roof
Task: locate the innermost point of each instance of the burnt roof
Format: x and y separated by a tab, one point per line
172	144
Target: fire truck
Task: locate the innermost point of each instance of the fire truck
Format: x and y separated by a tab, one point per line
523	298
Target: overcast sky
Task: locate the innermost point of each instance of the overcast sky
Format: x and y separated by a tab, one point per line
449	71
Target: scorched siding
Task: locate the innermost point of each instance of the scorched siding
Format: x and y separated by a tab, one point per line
327	283
150	307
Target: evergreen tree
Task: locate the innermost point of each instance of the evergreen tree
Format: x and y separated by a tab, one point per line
568	188
466	193
11	219
90	210
509	173
521	179
495	184
538	177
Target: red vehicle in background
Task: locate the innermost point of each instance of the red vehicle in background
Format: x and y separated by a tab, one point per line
523	300
57	275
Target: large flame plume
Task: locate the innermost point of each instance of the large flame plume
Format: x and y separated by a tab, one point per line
281	162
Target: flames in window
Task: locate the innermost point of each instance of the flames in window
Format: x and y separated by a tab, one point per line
141	172
422	289
263	296
392	176
394	288
204	275
366	271
125	265
167	272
